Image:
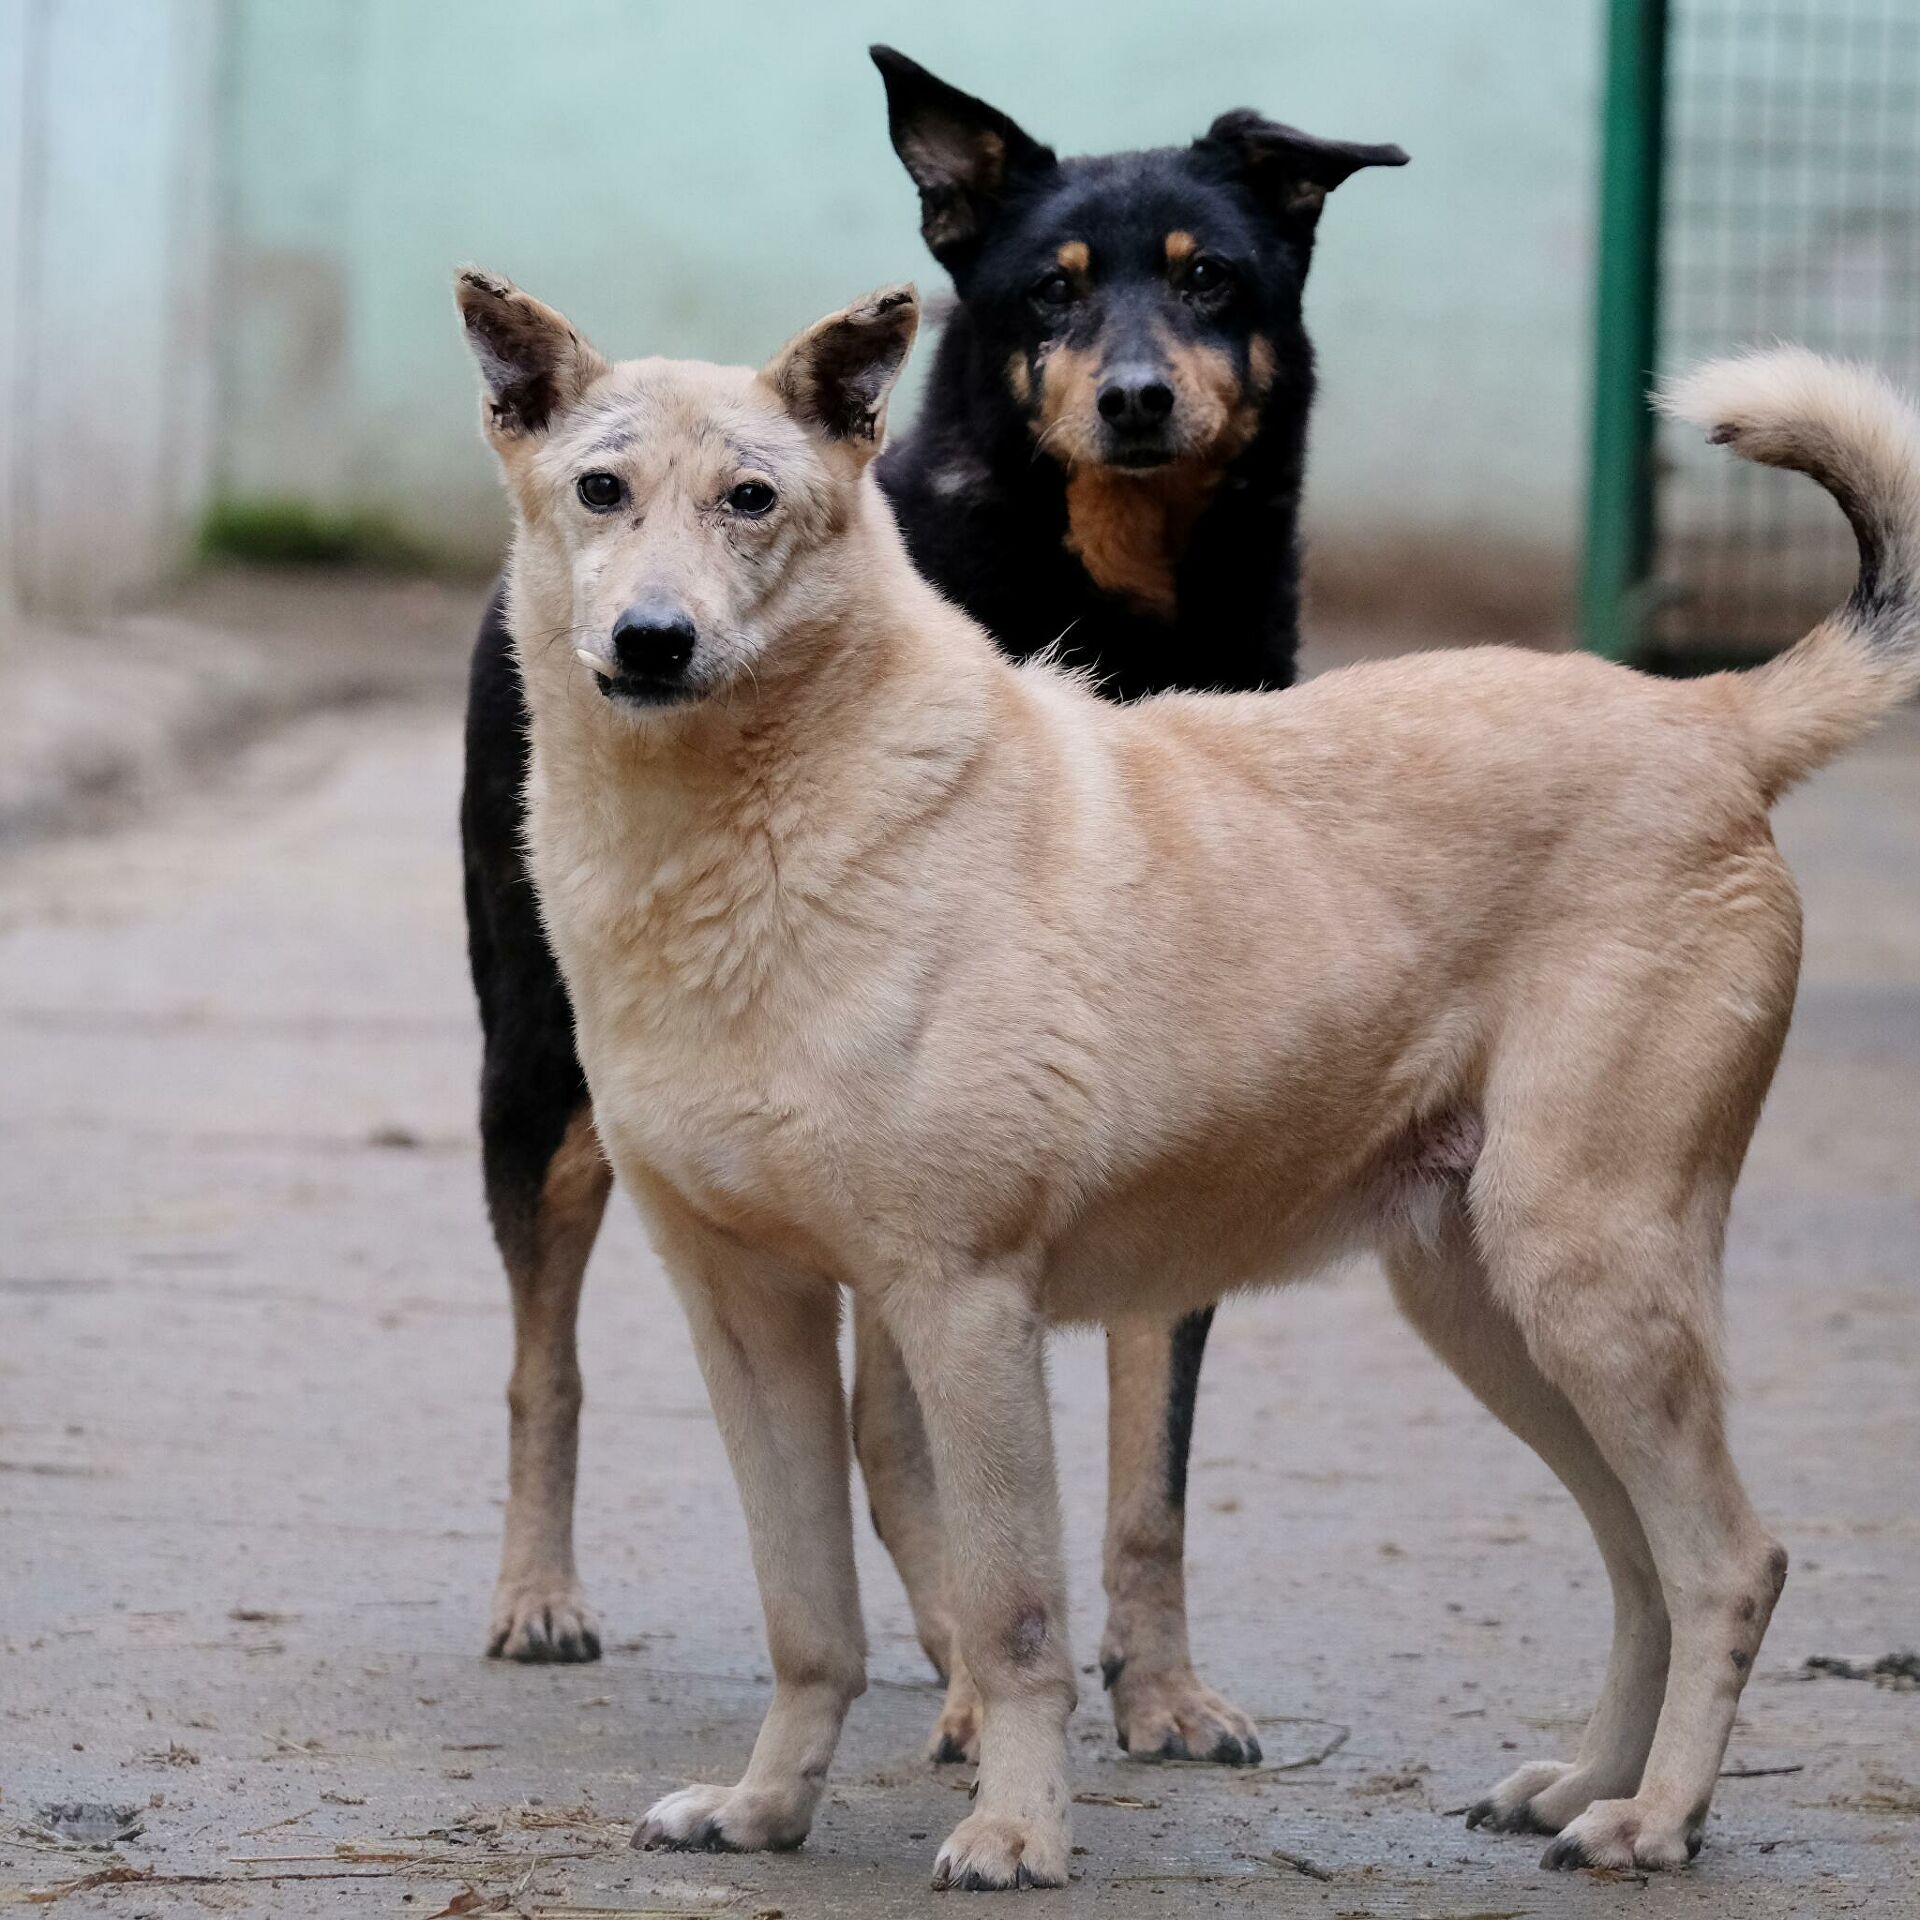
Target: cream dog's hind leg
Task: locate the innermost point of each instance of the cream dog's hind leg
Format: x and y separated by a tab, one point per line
1600	1207
1646	1388
767	1341
1441	1287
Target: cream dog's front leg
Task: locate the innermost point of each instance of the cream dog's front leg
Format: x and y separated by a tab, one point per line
766	1336
974	1346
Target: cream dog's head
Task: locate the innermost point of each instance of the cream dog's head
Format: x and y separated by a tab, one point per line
680	525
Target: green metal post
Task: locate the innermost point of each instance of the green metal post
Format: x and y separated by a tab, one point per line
1626	309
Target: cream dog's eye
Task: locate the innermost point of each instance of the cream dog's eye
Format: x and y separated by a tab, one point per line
602	491
752	498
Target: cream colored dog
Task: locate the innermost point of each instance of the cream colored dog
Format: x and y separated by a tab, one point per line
902	969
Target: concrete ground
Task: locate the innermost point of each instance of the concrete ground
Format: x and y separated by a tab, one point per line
103	717
252	1347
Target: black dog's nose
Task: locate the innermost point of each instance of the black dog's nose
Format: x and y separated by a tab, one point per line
654	641
1134	399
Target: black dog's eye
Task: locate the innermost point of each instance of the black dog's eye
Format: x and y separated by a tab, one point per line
1056	290
602	491
752	498
1206	275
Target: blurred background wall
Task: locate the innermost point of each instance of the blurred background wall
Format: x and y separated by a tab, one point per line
111	333
231	225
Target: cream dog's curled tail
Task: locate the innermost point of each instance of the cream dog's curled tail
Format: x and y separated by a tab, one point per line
1859	436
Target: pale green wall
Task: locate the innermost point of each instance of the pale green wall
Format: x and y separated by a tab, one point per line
703	180
107	233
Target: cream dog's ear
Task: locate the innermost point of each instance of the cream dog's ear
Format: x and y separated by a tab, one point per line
532	362
834	378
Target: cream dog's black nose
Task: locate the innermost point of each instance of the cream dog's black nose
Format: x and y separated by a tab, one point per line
654	640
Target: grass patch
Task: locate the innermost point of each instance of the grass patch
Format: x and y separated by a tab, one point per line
292	533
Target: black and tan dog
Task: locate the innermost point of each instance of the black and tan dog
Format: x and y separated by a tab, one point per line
1108	462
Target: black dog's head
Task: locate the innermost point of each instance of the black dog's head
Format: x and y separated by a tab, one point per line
1141	305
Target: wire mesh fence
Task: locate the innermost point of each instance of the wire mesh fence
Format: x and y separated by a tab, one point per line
1791	211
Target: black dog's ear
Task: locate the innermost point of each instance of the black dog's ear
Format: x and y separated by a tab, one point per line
835	378
1290	171
531	361
963	155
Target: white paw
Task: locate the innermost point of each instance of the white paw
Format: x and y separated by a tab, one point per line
1624	1833
1172	1714
999	1852
542	1620
1508	1808
723	1820
1546	1795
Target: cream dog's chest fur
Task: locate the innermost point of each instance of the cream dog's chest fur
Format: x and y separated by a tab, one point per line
737	1039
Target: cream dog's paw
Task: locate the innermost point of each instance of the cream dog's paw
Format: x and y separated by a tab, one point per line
541	1621
723	1820
1172	1714
1508	1807
1001	1852
1624	1833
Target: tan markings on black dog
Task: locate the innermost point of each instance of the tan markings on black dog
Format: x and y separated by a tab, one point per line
539	1612
1073	257
1181	246
1069	422
1216	414
1145	1658
1261	365
1019	378
1116	523
1130	529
